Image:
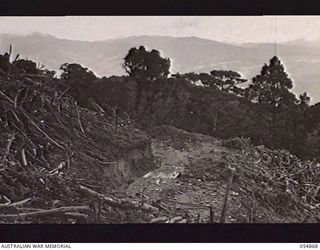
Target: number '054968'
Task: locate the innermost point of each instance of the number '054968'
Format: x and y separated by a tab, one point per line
308	245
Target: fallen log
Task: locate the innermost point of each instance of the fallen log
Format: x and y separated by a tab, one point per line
159	219
23	157
10	141
77	216
31	121
175	219
117	203
15	204
225	200
251	209
211	215
42	213
94	103
60	167
41	131
182	221
79	118
6	97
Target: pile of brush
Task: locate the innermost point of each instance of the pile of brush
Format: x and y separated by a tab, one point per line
53	154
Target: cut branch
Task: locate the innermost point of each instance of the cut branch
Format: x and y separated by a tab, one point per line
42	213
225	201
175	219
117	203
211	214
6	97
44	133
159	219
15	204
79	119
23	157
77	215
97	106
32	122
11	139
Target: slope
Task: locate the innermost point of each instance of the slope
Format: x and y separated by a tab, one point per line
52	151
194	172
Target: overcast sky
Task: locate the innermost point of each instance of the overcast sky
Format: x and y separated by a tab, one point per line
220	28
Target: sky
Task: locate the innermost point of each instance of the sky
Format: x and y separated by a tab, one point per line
232	29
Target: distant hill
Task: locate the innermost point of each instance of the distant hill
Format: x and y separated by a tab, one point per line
301	57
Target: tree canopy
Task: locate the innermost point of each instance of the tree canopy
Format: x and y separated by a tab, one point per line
209	103
142	64
71	71
226	80
79	80
272	85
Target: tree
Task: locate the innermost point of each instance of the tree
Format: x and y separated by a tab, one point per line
79	80
26	66
142	64
304	100
73	71
190	77
205	79
271	88
5	62
226	80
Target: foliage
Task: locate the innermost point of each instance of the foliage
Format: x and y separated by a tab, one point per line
5	62
142	64
79	80
26	66
266	112
73	71
272	85
227	80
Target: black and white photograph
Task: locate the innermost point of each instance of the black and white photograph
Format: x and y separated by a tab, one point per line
159	119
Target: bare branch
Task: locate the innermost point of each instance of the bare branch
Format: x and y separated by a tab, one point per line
42	213
10	141
117	203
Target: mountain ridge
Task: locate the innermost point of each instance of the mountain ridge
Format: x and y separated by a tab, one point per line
187	54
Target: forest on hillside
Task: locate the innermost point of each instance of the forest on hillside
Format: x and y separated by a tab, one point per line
219	103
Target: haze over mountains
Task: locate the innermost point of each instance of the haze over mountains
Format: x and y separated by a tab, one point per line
187	54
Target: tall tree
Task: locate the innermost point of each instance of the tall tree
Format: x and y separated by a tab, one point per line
272	85
142	64
271	88
145	67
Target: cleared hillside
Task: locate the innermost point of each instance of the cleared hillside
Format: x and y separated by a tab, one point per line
52	149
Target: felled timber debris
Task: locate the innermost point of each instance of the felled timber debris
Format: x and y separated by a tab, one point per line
225	200
42	213
124	204
50	146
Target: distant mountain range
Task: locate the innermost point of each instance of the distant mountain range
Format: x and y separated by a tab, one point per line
187	54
